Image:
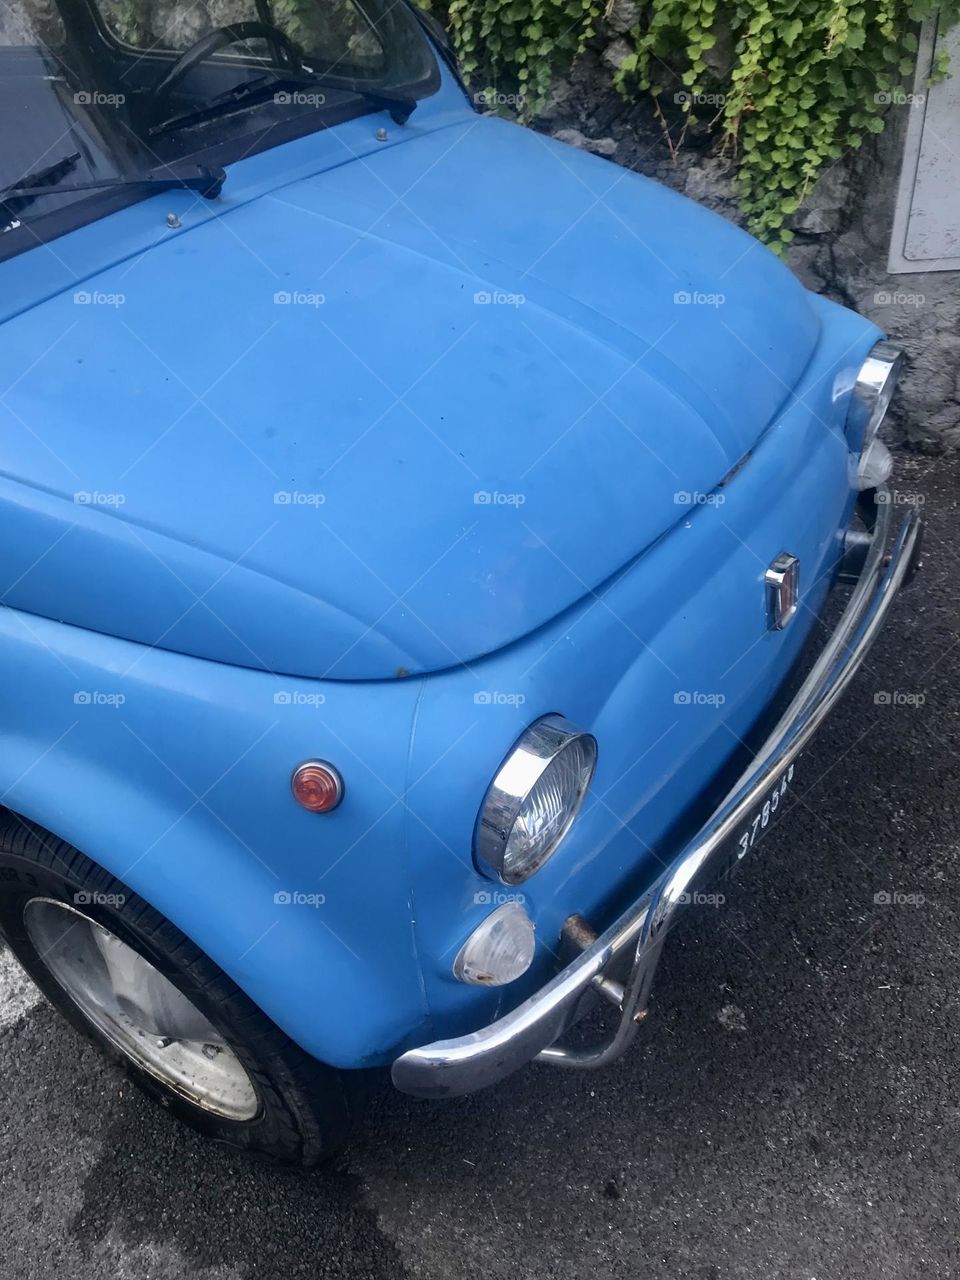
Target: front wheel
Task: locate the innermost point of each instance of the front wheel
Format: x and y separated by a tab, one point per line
131	981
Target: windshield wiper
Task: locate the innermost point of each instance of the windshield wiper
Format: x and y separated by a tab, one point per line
45	182
33	184
264	87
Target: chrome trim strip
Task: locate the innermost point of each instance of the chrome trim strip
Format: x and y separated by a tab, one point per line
450	1067
782	583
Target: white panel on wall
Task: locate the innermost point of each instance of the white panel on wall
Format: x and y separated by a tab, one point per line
926	228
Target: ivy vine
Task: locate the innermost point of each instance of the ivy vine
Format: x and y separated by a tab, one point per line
786	86
513	49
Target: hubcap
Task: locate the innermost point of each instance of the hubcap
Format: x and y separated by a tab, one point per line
139	1010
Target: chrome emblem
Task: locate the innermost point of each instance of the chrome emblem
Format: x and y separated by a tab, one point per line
782	581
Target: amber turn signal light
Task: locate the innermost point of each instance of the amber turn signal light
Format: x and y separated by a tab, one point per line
317	786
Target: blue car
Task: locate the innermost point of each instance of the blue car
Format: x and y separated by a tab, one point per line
415	539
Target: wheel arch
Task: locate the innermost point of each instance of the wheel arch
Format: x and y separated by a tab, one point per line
203	879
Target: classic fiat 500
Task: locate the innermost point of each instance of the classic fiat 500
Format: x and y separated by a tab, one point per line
412	532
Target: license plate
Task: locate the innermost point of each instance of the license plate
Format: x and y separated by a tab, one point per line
756	824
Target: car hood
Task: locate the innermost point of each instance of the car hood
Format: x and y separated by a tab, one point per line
389	417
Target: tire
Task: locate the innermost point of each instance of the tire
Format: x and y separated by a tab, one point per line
301	1109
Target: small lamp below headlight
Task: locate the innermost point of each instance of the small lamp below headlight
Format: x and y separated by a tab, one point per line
498	951
875	466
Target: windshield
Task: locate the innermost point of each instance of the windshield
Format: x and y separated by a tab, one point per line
99	93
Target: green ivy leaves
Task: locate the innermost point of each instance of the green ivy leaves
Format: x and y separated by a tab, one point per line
808	80
519	46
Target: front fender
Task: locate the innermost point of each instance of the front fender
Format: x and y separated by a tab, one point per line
172	773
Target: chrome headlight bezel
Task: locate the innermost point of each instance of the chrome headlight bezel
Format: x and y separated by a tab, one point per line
534	752
872	393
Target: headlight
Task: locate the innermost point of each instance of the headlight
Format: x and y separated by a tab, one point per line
533	800
872	393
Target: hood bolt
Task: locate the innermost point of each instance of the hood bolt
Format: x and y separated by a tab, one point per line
173	221
382	135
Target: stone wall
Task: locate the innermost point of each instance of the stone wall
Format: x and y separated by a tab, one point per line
841	249
842	231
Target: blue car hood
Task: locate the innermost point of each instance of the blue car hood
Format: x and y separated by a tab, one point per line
389	417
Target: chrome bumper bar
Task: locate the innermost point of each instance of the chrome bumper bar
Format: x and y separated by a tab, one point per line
634	942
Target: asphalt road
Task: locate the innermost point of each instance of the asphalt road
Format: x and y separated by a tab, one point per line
792	1111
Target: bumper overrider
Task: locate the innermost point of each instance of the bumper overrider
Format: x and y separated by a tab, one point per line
618	965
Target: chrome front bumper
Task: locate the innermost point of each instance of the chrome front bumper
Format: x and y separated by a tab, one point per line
631	947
